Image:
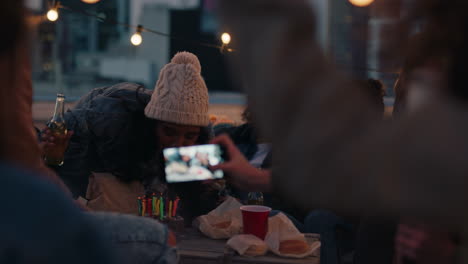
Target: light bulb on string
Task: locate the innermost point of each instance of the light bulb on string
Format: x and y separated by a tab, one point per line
361	3
53	14
136	38
90	1
226	38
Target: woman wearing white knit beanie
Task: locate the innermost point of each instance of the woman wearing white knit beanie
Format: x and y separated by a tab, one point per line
179	106
175	116
115	153
180	102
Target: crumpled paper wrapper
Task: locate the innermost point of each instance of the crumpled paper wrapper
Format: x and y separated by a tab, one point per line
228	211
248	245
280	228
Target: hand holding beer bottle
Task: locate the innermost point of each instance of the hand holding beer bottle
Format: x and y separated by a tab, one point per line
47	140
56	135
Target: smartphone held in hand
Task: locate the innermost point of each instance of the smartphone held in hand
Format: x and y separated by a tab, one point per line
192	163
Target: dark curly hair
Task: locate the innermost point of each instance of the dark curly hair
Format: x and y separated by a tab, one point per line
144	161
151	167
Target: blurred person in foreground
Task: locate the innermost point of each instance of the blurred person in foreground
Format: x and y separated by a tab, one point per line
337	233
424	79
371	165
39	223
415	167
340	232
31	231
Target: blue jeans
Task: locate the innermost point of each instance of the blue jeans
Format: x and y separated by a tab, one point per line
326	224
135	239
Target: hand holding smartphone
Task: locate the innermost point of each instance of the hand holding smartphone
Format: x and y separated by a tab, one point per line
192	163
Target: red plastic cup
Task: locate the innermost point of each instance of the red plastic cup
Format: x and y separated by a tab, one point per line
255	220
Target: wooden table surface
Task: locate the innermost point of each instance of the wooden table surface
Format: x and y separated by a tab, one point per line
195	248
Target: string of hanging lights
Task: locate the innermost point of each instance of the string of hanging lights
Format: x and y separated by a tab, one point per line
137	38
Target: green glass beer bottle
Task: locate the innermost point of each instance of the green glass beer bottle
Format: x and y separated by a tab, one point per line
54	154
255	198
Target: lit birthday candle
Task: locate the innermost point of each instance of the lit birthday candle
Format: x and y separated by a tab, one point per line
174	207
153	204
161	208
169	212
149	206
139	206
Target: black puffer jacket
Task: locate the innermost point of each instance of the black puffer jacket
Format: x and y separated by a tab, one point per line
111	134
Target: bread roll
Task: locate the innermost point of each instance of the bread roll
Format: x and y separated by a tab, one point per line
294	247
256	250
222	225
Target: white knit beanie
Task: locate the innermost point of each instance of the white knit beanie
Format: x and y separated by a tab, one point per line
180	95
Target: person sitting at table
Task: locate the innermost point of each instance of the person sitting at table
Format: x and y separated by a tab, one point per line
259	154
423	80
328	224
121	130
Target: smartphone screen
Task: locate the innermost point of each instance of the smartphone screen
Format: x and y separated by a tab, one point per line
192	163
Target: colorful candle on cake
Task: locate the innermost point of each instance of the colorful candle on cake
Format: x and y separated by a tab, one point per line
166	207
143	206
161	209
157	207
174	209
149	207
139	205
169	213
153	204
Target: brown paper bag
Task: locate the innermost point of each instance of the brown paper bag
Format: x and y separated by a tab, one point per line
248	245
107	193
223	222
285	240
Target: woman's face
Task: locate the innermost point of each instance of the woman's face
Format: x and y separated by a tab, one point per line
171	135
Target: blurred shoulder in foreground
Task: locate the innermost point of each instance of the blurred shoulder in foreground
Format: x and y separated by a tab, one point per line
40	224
